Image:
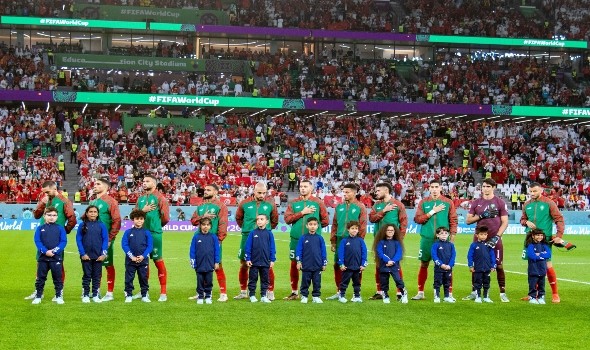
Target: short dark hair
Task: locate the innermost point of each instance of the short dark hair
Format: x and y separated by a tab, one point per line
205	220
535	184
50	209
351	186
490	182
386	185
151	177
136	213
310	219
49	184
352	223
481	229
214	186
105	182
435	181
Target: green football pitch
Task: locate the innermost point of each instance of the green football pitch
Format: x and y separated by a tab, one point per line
181	324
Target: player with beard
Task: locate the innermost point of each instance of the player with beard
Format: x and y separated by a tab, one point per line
155	205
108	214
215	210
541	213
299	210
491	212
387	211
246	215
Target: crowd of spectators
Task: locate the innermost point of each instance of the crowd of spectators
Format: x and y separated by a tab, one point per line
236	151
28	153
493	18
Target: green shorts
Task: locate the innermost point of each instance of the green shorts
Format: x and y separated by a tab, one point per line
242	250
156	253
110	257
424	254
293	248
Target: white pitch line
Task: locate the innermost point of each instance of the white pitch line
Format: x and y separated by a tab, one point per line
522	273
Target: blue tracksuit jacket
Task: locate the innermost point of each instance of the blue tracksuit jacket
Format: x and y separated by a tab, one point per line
95	241
204	252
538	263
260	248
481	257
389	250
352	253
50	237
136	242
311	252
443	252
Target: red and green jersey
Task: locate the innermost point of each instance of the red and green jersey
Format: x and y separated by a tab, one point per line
249	208
444	218
108	214
158	218
397	216
65	212
294	217
343	214
219	222
543	212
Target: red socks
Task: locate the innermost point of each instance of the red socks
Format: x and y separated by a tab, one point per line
243	277
221	279
552	277
337	276
110	278
294	275
422	276
271	279
162	275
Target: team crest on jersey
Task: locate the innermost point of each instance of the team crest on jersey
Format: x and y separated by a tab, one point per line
542	207
347	243
199	241
306	241
264	207
353	210
255	236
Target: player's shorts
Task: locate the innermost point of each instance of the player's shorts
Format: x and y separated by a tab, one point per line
156	253
498	250
242	250
424	254
110	259
293	248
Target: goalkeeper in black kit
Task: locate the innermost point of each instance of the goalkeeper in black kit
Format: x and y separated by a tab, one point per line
492	212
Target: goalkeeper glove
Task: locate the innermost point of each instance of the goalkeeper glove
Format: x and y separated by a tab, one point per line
493	241
489	213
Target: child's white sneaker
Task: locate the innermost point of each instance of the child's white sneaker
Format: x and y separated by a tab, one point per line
200	301
208	301
265	300
32	296
334	297
270	295
96	299
436	300
342	300
137	296
487	300
253	299
449	300
317	300
478	300
36	301
146	299
541	300
303	300
356	299
404	298
59	300
533	301
85	299
128	299
386	301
